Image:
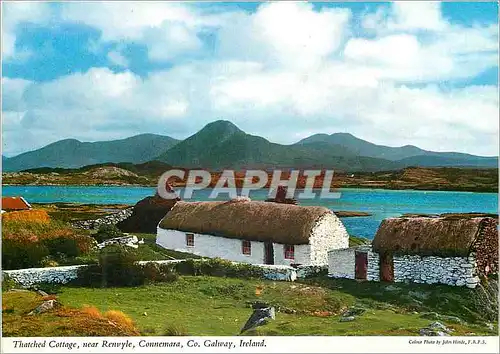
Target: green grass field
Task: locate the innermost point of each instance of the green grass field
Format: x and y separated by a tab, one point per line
220	306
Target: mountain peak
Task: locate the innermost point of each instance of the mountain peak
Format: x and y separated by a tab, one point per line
220	128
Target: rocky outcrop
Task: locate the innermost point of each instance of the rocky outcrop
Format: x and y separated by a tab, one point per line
146	215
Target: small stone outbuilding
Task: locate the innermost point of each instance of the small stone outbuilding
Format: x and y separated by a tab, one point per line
452	249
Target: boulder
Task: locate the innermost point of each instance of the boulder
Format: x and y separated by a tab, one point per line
347	319
44	307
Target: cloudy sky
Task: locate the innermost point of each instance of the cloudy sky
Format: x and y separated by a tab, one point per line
392	73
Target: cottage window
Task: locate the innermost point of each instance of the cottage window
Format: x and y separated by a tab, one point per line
246	247
289	252
190	240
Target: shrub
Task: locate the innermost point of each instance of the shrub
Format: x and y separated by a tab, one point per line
91	311
49	262
8	283
154	272
120	319
117	266
62	246
17	254
218	267
107	232
27	215
26	244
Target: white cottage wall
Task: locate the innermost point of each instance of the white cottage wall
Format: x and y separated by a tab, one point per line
228	248
210	246
328	233
301	255
342	263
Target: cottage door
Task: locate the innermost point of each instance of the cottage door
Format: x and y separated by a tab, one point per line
268	253
361	267
386	267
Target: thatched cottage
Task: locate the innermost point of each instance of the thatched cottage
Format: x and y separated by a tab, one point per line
253	232
453	249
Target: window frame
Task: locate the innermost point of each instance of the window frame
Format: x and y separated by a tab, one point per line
246	245
287	250
189	240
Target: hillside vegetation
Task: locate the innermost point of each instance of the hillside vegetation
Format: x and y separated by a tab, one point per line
147	174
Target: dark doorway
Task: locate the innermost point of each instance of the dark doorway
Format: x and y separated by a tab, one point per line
268	253
361	265
386	267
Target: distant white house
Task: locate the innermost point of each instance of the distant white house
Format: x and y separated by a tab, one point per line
253	232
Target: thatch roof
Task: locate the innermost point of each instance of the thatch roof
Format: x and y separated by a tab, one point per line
446	235
248	220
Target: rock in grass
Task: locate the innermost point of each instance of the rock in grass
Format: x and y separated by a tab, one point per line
435	329
347	319
44	307
430	332
438	326
353	311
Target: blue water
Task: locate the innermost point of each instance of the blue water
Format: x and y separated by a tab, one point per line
380	203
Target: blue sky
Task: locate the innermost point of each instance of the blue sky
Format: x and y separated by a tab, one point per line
393	73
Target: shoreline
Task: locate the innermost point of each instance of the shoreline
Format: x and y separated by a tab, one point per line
348	187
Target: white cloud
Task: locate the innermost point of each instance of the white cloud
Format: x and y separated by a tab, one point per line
285	34
116	58
406	16
168	29
16	14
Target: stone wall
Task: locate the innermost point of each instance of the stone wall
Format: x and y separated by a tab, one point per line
457	271
112	219
373	271
54	275
62	275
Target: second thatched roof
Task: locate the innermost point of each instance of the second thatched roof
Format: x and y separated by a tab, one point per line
247	220
447	235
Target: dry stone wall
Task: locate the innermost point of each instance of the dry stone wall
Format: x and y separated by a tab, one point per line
112	219
62	275
456	271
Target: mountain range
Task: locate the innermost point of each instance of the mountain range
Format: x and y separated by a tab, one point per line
221	144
